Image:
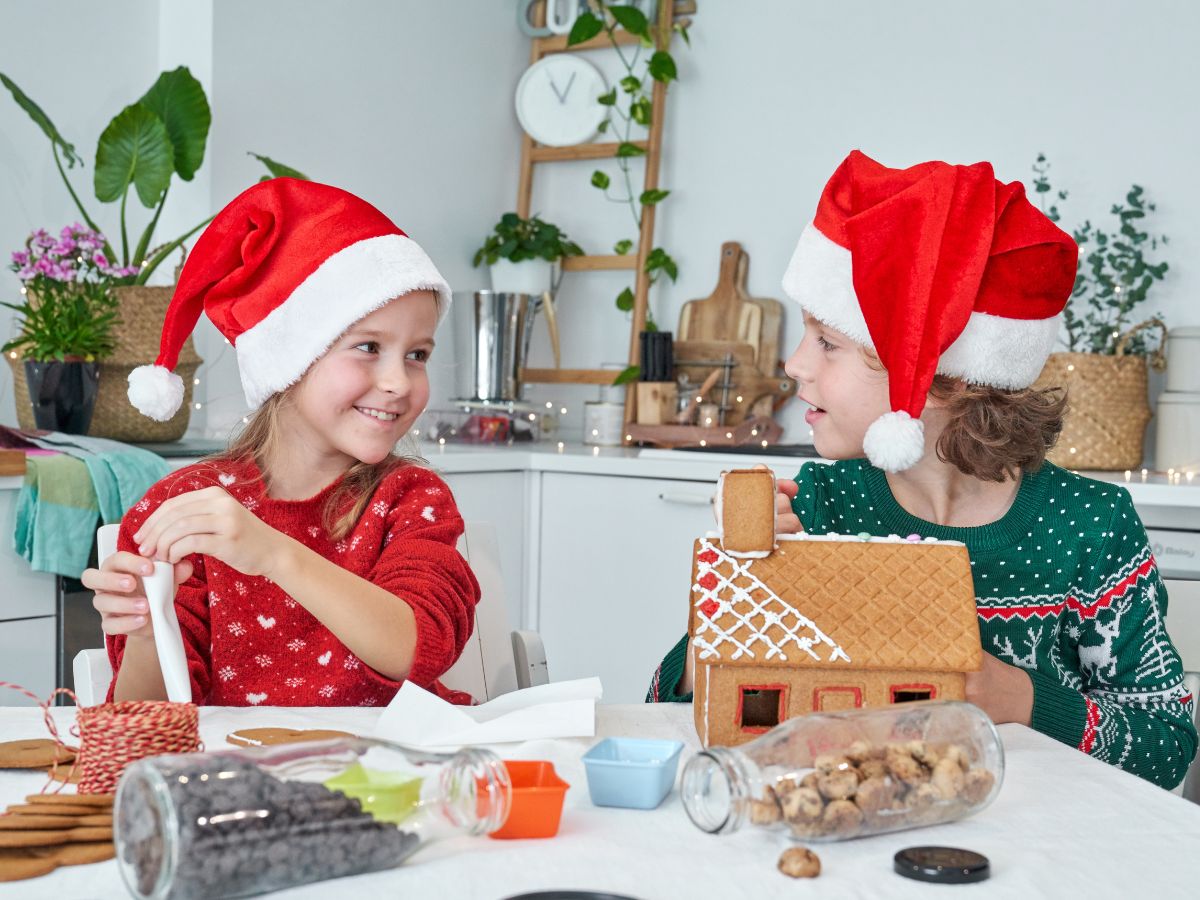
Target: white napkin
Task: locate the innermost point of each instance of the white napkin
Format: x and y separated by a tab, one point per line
561	709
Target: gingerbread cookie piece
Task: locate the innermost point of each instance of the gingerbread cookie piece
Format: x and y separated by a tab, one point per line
35	753
800	862
746	511
269	737
18	868
13	822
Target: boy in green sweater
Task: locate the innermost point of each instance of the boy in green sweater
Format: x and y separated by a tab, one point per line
931	299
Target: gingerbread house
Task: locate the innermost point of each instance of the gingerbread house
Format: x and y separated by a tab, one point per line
790	624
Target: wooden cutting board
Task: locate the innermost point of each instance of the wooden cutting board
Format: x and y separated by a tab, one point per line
771	329
724	315
12	462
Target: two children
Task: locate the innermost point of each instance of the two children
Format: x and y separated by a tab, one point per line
931	299
314	566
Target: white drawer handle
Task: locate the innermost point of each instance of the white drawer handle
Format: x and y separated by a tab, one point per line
687	499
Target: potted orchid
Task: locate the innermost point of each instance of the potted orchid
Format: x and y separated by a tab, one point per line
66	323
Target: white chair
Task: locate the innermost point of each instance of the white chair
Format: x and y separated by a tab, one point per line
494	661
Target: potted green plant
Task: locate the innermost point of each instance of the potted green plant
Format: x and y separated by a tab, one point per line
66	323
146	145
1109	339
521	254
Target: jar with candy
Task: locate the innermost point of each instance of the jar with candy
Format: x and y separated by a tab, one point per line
247	821
831	776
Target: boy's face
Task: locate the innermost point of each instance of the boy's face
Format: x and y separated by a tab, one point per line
845	393
367	390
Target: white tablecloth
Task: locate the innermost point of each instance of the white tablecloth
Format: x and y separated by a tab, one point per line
1063	825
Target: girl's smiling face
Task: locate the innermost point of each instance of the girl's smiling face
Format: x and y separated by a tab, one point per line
846	393
365	393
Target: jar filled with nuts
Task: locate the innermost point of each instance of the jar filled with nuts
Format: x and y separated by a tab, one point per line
248	821
830	776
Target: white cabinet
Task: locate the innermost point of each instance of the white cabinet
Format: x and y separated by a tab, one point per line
501	499
614	568
27	658
24	593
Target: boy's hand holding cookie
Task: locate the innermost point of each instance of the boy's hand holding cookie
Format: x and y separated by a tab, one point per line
120	595
212	523
786	521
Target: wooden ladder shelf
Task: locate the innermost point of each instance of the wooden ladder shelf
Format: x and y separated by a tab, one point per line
533	154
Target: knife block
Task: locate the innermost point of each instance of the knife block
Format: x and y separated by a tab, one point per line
656	402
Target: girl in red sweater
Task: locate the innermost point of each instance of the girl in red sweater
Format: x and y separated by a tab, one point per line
314	566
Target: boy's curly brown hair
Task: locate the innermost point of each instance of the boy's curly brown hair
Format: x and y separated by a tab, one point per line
994	434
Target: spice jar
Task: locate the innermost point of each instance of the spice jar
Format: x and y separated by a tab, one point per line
831	776
240	822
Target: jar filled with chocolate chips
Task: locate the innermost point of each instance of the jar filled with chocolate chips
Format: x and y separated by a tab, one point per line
831	776
240	822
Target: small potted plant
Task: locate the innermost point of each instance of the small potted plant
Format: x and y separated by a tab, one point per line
521	254
1110	341
66	323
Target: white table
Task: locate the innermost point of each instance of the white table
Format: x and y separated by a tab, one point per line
1063	825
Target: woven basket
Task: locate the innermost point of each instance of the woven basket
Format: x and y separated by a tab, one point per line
1107	405
142	310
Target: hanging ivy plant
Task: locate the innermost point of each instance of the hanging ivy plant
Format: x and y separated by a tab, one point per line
628	105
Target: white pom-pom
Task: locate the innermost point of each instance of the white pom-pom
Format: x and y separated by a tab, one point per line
895	442
155	392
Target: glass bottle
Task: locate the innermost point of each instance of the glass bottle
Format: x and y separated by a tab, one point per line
247	821
831	776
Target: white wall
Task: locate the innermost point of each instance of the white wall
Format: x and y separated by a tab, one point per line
409	103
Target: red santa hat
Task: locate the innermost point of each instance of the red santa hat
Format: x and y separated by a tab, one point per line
939	269
283	271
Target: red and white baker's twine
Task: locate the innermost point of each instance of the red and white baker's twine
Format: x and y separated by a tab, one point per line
113	735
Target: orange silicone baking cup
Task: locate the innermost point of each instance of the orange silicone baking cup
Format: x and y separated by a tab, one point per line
537	800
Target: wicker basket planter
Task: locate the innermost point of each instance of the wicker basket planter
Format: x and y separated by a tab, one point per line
142	311
1107	406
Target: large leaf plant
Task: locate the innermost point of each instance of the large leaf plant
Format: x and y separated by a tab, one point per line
148	143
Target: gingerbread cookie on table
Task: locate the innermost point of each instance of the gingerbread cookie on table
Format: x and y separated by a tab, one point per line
34	753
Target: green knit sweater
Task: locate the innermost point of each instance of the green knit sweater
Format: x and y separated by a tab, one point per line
1066	588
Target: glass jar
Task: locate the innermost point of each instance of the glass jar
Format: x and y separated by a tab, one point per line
247	821
831	776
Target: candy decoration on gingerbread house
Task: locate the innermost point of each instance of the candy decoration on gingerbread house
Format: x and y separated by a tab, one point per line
783	625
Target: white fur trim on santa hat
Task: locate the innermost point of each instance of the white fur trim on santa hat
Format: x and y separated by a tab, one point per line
155	391
992	350
354	282
895	442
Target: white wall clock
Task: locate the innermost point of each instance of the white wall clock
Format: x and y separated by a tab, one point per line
556	100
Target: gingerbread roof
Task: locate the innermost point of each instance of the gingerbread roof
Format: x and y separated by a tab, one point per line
828	602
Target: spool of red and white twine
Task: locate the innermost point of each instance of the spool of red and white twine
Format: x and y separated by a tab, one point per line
113	735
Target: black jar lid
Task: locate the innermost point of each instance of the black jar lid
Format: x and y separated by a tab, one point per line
569	895
942	865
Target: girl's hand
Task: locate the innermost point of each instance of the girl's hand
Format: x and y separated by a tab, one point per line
1002	691
786	521
120	596
212	523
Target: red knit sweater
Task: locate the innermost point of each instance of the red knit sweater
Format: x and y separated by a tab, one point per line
249	643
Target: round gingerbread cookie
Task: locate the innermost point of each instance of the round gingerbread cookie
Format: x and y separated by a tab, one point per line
35	753
101	800
15	867
68	773
82	854
28	822
36	837
59	809
269	737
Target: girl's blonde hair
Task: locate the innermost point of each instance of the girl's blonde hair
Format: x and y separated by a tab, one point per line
994	434
260	440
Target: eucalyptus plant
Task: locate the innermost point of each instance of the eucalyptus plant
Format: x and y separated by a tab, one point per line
148	143
627	106
1114	274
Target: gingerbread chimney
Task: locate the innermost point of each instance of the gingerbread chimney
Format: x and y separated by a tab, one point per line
746	511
